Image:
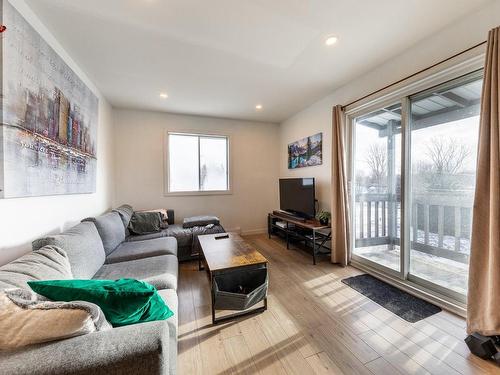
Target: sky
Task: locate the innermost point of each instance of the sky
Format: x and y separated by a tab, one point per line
465	131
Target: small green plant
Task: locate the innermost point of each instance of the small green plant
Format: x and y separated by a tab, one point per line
324	216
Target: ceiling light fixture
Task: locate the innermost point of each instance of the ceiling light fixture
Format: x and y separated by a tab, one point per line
331	40
258	107
163	95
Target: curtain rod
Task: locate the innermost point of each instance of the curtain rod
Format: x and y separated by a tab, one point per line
414	74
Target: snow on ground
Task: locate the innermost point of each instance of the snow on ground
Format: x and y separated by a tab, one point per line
441	271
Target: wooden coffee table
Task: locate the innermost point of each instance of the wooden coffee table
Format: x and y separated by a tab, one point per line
228	255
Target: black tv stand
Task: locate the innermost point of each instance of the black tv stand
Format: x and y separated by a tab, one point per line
311	232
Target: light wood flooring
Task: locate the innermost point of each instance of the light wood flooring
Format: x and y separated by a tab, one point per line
314	325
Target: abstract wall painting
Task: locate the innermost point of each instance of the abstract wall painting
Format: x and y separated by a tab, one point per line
306	152
48	124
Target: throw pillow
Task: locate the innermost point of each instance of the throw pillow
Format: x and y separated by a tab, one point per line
110	228
164	216
145	222
27	318
83	245
49	262
124	301
163	212
125	211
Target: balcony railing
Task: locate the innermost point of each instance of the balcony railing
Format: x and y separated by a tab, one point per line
443	222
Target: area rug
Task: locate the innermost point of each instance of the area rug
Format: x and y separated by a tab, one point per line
404	305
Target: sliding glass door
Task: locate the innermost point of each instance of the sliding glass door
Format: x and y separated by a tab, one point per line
444	127
415	223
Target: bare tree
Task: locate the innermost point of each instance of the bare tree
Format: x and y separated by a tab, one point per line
448	156
376	158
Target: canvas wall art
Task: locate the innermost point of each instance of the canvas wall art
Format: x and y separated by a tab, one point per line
48	125
306	152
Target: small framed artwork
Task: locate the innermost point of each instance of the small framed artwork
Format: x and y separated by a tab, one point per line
306	152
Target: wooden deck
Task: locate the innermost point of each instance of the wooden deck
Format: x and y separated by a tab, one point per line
314	325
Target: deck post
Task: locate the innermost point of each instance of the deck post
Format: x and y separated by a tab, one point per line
391	184
426	223
440	226
458	227
415	222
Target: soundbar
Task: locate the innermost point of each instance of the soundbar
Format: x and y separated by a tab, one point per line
288	215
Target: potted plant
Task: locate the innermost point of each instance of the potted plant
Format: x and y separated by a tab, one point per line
324	217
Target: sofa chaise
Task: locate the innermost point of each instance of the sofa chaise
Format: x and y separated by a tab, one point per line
97	249
187	244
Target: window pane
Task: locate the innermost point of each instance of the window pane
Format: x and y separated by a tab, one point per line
213	163
377	171
444	135
183	163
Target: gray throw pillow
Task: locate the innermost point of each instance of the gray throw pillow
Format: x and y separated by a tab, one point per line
111	230
145	222
83	246
125	211
47	263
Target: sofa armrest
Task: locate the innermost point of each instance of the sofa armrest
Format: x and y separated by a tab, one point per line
171	216
135	349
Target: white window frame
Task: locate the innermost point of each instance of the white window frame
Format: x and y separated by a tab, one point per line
166	159
401	93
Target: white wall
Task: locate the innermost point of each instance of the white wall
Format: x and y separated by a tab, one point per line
317	118
139	140
24	219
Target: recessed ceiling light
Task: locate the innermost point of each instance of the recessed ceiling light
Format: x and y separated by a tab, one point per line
163	95
331	40
258	106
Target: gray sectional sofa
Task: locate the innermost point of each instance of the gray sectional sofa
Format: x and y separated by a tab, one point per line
187	245
98	248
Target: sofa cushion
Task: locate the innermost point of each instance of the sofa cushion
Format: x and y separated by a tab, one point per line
111	230
83	247
160	271
50	262
200	221
143	249
187	245
149	236
137	349
184	236
125	211
170	298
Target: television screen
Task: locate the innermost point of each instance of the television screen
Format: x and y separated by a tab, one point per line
297	196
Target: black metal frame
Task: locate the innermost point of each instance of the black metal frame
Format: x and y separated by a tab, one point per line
296	234
211	275
225	318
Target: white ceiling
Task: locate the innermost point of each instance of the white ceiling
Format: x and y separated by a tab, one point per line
222	57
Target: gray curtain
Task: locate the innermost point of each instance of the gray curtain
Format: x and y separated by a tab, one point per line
483	305
339	192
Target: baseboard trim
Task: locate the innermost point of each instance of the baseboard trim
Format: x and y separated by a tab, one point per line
250	232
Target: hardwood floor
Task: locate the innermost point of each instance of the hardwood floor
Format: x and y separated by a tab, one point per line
315	325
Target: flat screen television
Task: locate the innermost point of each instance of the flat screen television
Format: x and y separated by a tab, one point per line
297	196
